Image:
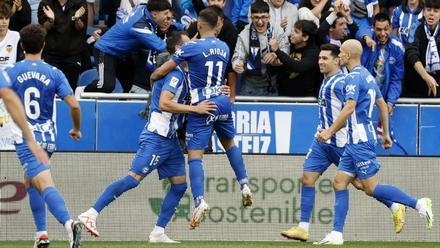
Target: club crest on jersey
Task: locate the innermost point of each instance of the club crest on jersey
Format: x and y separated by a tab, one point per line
9	48
179	52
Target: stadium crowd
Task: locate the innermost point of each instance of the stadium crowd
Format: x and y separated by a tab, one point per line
274	44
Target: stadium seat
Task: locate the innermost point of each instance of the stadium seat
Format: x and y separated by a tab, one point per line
87	77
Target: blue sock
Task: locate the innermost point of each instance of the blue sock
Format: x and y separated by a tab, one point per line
113	191
38	207
170	203
237	164
197	178
307	202
394	194
386	202
56	205
341	209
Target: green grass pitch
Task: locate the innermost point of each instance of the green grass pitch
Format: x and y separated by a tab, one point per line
220	244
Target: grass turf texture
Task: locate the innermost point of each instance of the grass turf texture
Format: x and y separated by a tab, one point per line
220	244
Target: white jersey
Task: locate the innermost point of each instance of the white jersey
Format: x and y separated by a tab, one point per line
8	49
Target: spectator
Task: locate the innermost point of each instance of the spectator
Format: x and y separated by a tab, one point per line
134	32
405	20
388	6
386	62
65	22
333	28
239	13
301	76
34	10
10	51
252	56
362	12
21	14
229	35
282	15
423	58
312	9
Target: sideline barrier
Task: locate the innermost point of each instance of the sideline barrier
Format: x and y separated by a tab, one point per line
275	181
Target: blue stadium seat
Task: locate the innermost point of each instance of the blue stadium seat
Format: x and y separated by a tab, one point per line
87	77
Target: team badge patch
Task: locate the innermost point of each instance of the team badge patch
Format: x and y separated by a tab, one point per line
9	48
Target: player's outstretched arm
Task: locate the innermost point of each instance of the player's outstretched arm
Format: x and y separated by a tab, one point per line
339	123
15	109
167	104
162	71
75	113
383	115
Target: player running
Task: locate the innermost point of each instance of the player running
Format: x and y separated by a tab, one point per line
37	83
159	148
322	155
359	158
207	59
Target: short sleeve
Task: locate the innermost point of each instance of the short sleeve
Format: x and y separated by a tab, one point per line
5	80
63	88
173	81
352	87
184	52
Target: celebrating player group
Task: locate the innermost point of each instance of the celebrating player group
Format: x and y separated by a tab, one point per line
191	84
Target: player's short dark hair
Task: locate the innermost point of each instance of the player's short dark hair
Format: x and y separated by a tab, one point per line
210	15
259	6
174	39
334	49
307	27
5	9
158	5
32	38
435	4
381	17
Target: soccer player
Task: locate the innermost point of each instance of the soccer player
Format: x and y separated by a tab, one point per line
159	148
207	59
359	157
37	83
322	155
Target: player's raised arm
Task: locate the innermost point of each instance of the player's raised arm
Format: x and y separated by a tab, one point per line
163	70
15	109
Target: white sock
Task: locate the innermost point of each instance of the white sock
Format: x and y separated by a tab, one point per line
158	230
38	234
304	225
92	212
336	233
419	204
68	226
394	207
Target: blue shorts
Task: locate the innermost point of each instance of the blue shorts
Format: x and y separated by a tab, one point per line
360	160
161	153
199	127
31	166
321	156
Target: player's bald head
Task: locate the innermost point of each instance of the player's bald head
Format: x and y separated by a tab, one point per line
352	47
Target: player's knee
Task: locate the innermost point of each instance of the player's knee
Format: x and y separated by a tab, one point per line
307	181
179	188
358	185
369	191
338	184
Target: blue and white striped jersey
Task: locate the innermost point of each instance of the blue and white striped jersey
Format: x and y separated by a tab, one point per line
330	102
135	31
361	87
37	83
5	81
207	59
406	23
161	122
